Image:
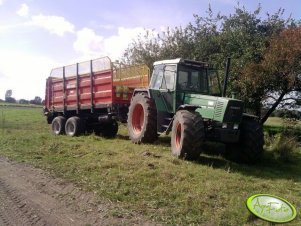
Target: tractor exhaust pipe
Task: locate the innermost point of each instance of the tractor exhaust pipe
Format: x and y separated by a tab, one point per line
226	76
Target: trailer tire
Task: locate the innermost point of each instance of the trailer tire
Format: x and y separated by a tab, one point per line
187	135
73	126
58	125
142	119
111	129
249	149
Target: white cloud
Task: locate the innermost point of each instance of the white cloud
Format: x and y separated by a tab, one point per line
24	74
88	43
92	45
23	10
106	26
54	24
116	45
1	2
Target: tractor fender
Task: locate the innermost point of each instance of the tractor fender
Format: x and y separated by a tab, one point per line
188	107
141	90
246	116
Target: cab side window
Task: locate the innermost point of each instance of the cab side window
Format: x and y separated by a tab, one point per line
157	77
158	81
169	77
183	80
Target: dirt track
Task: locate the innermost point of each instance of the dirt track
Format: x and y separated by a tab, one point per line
29	196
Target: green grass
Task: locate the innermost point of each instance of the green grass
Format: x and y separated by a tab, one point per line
278	122
274	121
146	178
5	104
276	125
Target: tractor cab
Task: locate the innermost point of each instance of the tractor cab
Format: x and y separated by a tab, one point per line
178	82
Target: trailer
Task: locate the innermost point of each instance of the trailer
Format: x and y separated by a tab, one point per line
91	96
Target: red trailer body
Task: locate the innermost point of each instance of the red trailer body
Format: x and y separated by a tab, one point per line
92	91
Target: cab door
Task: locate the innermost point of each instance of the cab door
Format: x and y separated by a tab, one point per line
163	92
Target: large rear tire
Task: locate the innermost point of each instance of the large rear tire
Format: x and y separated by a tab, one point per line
249	149
187	135
74	126
142	119
58	125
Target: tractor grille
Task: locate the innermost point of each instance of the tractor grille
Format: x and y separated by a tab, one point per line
218	110
234	111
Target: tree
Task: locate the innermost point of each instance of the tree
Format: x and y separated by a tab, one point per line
280	69
244	36
23	101
37	100
8	96
10	100
8	93
144	50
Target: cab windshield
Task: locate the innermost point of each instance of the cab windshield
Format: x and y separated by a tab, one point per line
193	79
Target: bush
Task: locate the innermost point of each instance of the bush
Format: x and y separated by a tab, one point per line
10	100
285	113
23	101
284	146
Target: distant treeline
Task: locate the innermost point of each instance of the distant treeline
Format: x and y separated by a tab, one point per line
37	101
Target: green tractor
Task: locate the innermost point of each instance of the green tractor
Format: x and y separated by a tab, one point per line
184	98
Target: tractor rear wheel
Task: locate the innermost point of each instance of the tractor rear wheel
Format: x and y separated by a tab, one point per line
142	119
187	135
58	125
74	126
250	146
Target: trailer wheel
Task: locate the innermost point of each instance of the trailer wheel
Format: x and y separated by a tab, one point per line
142	119
187	135
111	129
58	125
73	126
250	146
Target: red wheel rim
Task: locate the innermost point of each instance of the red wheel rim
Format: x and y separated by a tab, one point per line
178	135
138	119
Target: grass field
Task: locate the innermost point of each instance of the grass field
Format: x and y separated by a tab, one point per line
5	104
279	122
146	178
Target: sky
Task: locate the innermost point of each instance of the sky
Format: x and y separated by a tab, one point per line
38	35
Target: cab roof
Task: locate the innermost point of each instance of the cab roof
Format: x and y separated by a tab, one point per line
182	61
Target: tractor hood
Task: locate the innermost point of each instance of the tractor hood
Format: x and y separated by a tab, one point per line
220	109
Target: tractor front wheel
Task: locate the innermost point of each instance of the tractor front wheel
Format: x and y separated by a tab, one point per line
250	146
187	135
142	119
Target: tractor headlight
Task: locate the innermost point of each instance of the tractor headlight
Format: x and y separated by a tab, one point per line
224	126
235	126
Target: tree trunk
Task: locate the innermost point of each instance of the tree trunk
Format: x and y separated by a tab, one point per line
257	107
270	111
